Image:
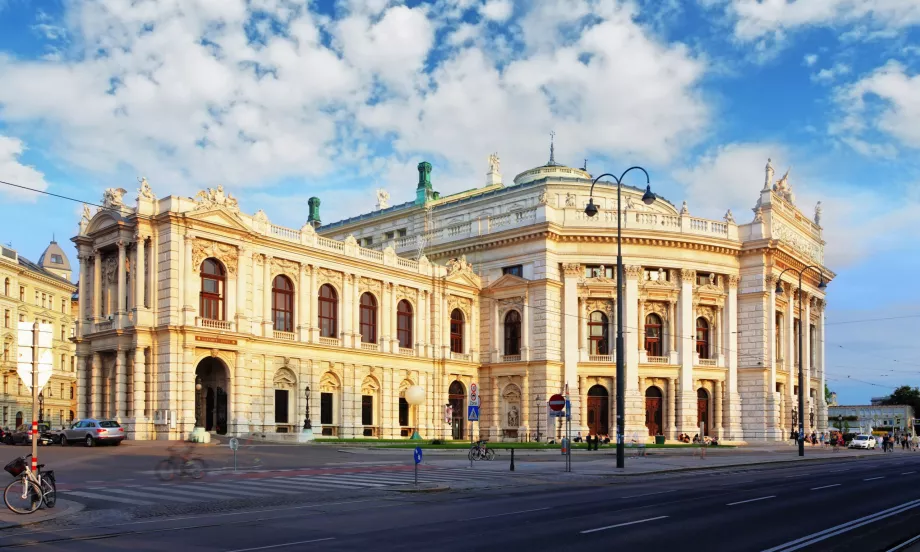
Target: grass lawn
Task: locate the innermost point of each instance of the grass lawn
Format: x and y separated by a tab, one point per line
518	446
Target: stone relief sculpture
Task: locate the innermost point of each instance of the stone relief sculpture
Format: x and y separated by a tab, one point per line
818	214
211	198
758	214
225	253
569	199
458	265
546	199
145	192
514	417
383	198
112	198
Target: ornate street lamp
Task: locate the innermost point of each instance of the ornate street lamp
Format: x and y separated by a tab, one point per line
415	396
779	291
306	414
538	400
591	210
41	407
197	401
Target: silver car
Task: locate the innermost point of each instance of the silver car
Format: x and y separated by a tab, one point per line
92	432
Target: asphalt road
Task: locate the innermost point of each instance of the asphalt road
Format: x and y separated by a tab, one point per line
860	505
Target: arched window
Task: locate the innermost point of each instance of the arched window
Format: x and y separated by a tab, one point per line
368	318
702	337
18	419
328	311
6	287
513	333
598	334
653	335
404	324
213	282
283	304
456	331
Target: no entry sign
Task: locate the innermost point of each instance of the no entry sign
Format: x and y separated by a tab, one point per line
557	402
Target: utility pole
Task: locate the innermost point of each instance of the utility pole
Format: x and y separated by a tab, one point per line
35	334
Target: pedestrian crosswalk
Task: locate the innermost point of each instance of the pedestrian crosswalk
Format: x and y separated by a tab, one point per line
228	488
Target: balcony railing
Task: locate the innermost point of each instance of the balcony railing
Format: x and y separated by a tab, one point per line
370	347
658	360
511	358
287	336
460	356
212	324
329	341
600	358
406	352
708	362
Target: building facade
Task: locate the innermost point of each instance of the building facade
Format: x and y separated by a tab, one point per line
872	417
38	291
511	287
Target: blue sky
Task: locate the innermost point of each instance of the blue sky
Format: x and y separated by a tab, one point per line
280	100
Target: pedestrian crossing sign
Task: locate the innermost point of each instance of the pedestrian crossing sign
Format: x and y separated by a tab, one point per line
472	413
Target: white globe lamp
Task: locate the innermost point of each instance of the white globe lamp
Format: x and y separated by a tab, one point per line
415	396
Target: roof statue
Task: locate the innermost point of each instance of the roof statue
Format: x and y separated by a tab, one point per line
729	217
215	197
494	176
112	198
84	220
383	198
818	210
684	210
458	265
769	179
783	188
494	163
144	192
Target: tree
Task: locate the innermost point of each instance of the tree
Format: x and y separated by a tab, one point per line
827	394
905	395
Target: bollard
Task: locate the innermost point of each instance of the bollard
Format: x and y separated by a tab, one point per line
512	459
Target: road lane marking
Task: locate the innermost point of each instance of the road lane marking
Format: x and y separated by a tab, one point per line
904	544
281	545
908	473
505	514
621	525
874	478
798	475
650	494
157	495
85	494
826	487
751	500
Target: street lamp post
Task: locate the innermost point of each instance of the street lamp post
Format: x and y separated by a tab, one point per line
537	400
41	407
779	290
591	210
197	402
306	413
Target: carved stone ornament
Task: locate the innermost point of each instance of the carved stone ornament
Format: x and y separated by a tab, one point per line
687	275
684	210
285	266
797	241
260	216
713	284
663	278
758	214
462	303
214	198
84	219
456	265
570	200
729	217
111	270
606	306
511	303
329	383
403	292
284	379
657	307
145	192
733	280
112	198
572	269
633	272
709	313
369	386
547	199
326	276
369	284
225	253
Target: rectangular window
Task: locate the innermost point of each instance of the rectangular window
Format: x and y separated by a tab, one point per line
22	318
22	294
656	275
64	305
516	270
56	259
401	232
367	410
6	318
367	242
281	406
325	408
403	412
44	299
63	366
598	271
390	235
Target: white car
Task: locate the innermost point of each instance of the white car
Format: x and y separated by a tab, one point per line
863	442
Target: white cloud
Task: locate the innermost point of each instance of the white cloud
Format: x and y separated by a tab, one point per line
810	59
12	170
886	101
831	74
856	223
181	94
756	19
497	10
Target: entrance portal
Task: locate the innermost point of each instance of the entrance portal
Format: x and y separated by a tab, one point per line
456	396
702	410
598	411
211	398
653	410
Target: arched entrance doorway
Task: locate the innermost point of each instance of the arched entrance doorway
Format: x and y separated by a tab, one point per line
702	409
598	410
211	398
456	397
653	410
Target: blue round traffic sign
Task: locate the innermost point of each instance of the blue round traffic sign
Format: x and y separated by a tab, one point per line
418	455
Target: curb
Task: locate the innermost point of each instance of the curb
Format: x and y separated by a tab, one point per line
61	509
702	468
413	489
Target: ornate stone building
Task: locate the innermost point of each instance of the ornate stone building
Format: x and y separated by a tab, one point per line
510	286
37	291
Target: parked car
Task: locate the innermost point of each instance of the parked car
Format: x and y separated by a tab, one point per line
92	432
863	442
21	435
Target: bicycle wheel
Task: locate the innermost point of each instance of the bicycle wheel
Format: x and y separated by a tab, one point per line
49	492
194	467
166	470
23	496
472	454
490	454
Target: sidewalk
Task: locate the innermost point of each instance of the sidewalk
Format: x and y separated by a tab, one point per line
61	508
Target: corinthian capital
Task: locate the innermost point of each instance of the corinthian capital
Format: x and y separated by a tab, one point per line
733	280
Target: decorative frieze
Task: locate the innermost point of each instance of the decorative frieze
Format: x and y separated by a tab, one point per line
510	303
572	270
369	284
225	253
284	266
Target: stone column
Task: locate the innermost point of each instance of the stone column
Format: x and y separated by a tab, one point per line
635	403
822	404
525	328
356	316
81	295
672	331
718	350
420	322
789	352
672	405
583	338
186	385
766	416
687	403
640	325
580	423
732	421
718	391
187	276
386	302
121	385
242	403
139	275
805	386
244	280
97	286
140	393
302	298
83	407
97	386
267	296
525	408
571	273
393	344
314	301
496	420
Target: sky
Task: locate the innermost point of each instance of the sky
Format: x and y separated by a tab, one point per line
280	100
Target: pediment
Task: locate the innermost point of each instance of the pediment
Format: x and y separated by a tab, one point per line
219	217
465	277
508	281
103	220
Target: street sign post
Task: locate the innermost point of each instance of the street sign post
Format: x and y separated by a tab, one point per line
474	394
568	431
472	414
417	456
234	446
34	366
557	403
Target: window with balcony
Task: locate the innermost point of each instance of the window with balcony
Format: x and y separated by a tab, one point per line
513	333
401	233
6	287
702	338
367	242
213	283
283	304
328	311
598	271
515	270
404	324
653	335
598	334
456	331
368	318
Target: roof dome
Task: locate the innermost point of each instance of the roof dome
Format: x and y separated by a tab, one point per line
559	171
53	259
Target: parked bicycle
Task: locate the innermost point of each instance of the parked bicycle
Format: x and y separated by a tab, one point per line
479	451
29	490
181	461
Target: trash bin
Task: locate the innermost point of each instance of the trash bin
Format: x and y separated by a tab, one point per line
659	439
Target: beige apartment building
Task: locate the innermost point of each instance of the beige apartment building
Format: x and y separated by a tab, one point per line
193	311
37	291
